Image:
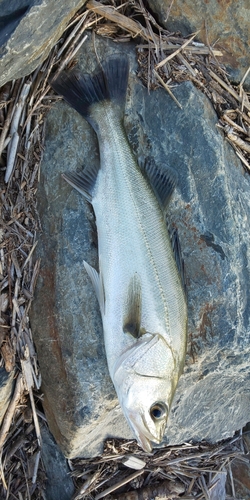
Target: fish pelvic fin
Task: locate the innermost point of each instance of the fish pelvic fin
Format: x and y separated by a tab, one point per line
81	91
176	247
83	182
132	308
97	283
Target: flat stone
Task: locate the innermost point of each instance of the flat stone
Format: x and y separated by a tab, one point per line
28	31
211	210
224	24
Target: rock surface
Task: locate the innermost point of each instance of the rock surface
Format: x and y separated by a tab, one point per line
6	387
59	484
28	31
223	22
211	210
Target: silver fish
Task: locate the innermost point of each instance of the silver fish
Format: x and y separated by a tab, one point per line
139	288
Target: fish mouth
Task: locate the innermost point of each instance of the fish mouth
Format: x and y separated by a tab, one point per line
143	435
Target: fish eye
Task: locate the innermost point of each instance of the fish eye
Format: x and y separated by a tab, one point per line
158	411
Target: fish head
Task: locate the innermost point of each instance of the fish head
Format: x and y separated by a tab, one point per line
145	381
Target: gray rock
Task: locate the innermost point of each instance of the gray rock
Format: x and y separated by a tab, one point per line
6	388
28	31
224	24
59	484
211	210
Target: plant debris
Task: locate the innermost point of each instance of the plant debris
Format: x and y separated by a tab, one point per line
189	471
164	59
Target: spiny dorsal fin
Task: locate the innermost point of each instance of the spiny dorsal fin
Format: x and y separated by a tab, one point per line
83	182
163	181
132	310
97	283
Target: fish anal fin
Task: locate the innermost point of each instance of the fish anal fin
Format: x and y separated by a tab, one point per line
132	309
97	285
162	180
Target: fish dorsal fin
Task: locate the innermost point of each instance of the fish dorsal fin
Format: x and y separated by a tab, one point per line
83	182
132	309
163	181
176	247
97	284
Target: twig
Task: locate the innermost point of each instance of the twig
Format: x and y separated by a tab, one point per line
229	89
239	142
119	484
19	108
167	88
29	256
123	21
234	125
11	158
188	66
11	410
171	56
71	35
34	477
244	77
70	56
169	47
8	118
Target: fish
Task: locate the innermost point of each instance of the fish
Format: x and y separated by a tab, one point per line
139	284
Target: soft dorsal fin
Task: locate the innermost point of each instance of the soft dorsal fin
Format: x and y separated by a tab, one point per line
132	309
163	181
83	182
97	284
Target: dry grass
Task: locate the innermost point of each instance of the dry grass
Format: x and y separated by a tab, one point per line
164	58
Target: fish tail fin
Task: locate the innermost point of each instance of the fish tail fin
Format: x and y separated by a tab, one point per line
83	91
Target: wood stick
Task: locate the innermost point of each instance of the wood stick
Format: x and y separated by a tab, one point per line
167	89
11	157
11	410
169	47
234	125
119	484
122	21
8	118
229	89
171	56
239	142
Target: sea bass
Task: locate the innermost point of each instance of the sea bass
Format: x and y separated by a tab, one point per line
138	286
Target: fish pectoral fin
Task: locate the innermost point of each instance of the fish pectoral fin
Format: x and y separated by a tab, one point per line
163	181
97	284
132	309
176	246
83	182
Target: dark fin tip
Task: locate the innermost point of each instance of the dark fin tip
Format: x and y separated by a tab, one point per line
132	317
81	90
176	247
